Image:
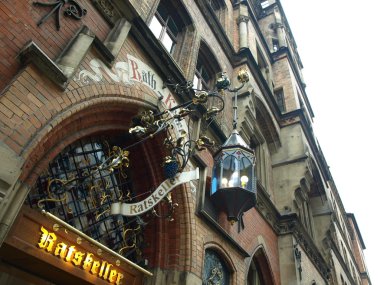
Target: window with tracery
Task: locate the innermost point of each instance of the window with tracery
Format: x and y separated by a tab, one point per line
215	271
77	189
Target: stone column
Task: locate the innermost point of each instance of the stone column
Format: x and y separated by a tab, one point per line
281	35
280	29
243	31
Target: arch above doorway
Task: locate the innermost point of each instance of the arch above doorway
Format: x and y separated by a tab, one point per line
260	272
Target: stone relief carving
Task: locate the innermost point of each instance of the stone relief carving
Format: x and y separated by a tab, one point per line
107	9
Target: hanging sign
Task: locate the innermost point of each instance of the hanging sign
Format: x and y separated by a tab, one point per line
165	187
85	260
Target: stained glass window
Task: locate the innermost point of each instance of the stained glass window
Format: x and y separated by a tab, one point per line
215	271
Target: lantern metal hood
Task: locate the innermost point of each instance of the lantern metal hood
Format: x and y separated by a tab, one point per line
233	185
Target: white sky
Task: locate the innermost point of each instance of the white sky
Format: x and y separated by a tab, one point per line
337	42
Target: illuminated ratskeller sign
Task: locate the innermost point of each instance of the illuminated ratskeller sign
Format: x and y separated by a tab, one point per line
83	260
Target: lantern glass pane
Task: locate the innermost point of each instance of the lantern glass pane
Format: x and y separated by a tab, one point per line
230	176
246	173
215	183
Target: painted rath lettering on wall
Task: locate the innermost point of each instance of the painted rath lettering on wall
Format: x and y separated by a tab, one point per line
86	261
129	72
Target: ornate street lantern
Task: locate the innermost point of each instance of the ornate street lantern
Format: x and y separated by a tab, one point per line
233	186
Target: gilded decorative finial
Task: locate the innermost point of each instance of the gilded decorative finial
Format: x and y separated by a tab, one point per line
243	76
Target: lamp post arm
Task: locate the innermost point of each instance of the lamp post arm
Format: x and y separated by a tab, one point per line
235	90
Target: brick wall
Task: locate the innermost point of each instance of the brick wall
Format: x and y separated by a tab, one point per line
38	120
18	25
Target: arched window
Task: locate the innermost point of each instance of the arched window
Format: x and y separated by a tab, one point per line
166	26
215	270
76	189
206	69
215	5
205	74
218	7
172	26
255	275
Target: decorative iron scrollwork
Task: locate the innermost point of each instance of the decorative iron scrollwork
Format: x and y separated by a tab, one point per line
74	10
216	277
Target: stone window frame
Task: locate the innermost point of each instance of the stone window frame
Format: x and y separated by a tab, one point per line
264	4
202	76
256	277
206	61
262	62
280	99
219	8
275	44
169	25
186	29
303	205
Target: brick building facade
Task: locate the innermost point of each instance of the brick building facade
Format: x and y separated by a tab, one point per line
74	76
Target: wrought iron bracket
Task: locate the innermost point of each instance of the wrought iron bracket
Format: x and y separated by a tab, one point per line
74	10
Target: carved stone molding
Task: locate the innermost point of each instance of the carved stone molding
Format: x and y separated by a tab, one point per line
243	18
61	70
277	25
289	224
248	126
266	207
108	10
31	53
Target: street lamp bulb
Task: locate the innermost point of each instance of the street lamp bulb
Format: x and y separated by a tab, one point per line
244	180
